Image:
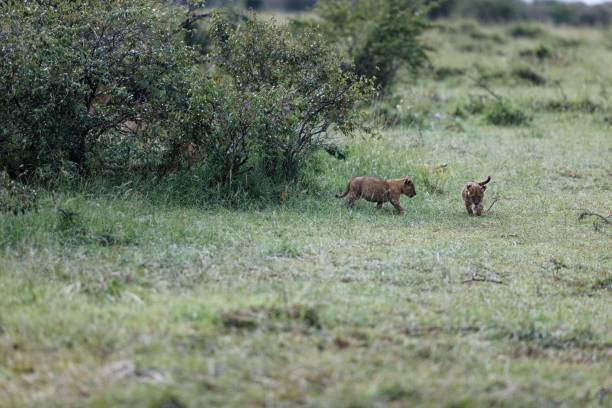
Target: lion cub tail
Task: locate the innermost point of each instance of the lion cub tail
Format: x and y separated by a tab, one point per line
482	183
348	188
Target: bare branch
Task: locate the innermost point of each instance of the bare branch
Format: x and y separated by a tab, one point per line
587	213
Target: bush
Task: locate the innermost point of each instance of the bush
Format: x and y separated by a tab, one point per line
71	72
273	102
502	113
378	37
529	75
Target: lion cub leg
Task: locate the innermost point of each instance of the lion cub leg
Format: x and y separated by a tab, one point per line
479	208
351	200
468	206
379	205
397	205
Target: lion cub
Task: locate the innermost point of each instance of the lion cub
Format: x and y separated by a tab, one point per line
473	195
378	191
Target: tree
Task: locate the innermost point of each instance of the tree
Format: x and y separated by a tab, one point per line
377	36
71	71
275	99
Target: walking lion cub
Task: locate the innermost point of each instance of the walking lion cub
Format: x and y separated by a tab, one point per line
378	191
473	196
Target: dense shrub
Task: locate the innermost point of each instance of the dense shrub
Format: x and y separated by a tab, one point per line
71	72
112	88
274	101
378	37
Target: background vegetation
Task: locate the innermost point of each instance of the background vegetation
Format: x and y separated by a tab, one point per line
144	278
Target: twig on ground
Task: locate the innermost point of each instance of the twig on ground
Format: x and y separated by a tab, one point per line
587	213
604	221
479	82
496	199
480	278
477	278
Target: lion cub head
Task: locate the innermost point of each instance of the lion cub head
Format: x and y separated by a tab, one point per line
473	196
408	187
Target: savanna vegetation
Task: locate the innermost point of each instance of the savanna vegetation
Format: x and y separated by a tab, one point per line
169	235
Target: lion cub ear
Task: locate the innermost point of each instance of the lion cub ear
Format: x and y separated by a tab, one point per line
406	180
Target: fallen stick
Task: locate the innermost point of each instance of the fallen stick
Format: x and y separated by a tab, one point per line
482	279
492	204
585	214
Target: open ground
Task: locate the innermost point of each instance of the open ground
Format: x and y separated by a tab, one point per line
126	298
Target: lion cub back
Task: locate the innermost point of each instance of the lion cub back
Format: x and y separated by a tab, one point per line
373	189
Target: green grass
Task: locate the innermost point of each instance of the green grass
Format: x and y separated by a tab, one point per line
136	301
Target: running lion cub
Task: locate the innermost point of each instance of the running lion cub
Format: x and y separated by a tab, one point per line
378	191
473	195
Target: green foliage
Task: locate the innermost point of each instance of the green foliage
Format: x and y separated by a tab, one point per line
274	101
15	197
378	37
504	113
71	72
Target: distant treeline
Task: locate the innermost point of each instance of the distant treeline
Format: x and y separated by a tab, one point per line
493	11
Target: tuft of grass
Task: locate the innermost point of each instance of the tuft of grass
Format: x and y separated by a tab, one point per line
502	113
15	197
541	52
272	318
526	31
584	105
529	75
443	73
474	105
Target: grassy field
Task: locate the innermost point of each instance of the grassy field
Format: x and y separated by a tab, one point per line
139	301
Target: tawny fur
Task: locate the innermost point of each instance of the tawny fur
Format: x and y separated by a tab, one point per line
378	191
473	196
